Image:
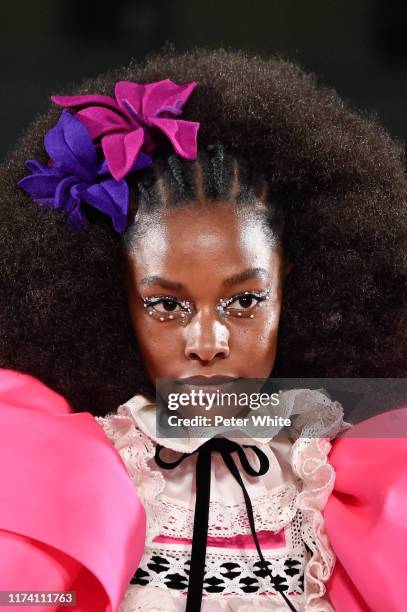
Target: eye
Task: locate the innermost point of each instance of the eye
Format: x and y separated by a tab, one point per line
167	308
242	304
166	305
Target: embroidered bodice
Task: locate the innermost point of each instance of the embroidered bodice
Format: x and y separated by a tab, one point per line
287	503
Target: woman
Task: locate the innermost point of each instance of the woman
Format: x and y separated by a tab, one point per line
270	242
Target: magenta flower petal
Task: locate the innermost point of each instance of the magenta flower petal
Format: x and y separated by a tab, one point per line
87	100
121	151
182	134
174	102
131	92
128	125
152	98
100	121
143	161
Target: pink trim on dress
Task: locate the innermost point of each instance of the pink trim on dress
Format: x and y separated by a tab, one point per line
267	540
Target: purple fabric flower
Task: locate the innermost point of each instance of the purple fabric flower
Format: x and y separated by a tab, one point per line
75	174
130	123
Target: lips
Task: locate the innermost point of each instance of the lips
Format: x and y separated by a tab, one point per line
206	380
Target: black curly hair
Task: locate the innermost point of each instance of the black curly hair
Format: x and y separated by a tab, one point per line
335	173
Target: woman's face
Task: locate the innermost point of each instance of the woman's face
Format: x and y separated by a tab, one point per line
201	255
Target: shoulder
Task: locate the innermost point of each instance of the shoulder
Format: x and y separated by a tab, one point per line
376	449
365	516
58	468
24	391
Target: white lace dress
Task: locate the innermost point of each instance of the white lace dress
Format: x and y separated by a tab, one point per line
287	503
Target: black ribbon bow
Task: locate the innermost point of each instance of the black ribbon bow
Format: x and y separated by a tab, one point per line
201	518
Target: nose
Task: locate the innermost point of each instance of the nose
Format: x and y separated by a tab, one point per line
207	339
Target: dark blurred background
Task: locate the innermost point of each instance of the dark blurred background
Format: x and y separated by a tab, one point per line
359	47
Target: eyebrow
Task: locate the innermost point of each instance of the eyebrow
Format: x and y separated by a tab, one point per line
162	282
235	279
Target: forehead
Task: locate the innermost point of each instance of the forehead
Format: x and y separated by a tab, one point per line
209	240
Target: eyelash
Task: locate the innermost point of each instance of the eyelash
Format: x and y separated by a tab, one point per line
150	302
223	306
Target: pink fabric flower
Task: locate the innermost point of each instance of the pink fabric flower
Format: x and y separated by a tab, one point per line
128	124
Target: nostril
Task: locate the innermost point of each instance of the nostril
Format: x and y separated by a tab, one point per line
206	354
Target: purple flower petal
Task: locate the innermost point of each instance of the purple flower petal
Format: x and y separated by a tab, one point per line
122	127
37	168
64	200
104	168
69	144
142	161
40	185
77	218
112	198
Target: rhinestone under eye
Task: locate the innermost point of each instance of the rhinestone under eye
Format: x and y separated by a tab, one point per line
188	308
223	303
167	315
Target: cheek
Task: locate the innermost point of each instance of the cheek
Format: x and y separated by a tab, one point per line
256	345
160	345
156	354
253	346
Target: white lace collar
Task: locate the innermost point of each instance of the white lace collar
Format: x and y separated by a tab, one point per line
315	420
311	411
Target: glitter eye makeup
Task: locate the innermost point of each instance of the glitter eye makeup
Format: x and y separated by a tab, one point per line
243	304
167	308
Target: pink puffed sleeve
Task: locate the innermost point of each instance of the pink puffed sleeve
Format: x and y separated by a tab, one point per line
70	518
365	516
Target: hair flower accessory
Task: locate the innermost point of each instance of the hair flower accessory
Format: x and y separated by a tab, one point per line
130	122
75	173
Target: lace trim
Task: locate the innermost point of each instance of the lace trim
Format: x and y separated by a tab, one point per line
136	449
233	578
272	512
317	420
225	573
153	599
321	420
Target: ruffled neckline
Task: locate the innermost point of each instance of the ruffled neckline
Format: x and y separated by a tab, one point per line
316	420
312	414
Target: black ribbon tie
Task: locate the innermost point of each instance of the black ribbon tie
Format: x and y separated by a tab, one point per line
226	448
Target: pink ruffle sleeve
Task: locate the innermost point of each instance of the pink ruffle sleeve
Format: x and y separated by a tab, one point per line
70	518
365	516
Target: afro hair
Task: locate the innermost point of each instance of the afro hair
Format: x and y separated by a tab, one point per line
341	180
